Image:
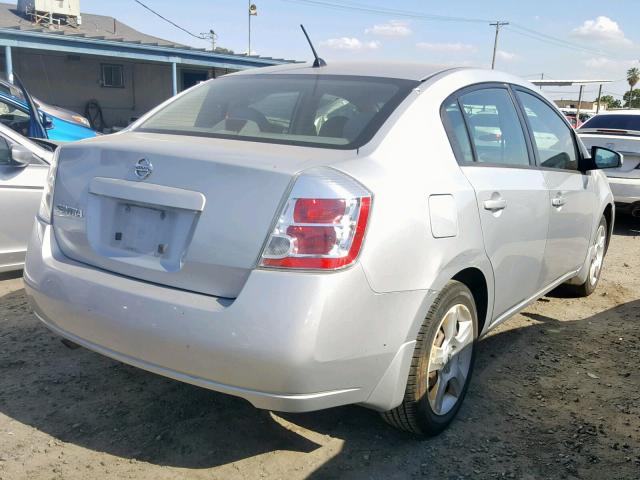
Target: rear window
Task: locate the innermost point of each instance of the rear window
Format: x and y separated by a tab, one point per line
327	111
615	122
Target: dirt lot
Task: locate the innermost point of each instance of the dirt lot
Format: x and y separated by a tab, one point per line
556	394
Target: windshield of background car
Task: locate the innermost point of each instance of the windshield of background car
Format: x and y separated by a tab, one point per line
326	111
615	122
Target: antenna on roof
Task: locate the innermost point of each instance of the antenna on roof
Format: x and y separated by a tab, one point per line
318	62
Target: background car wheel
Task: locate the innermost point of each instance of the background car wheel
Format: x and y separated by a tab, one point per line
442	364
597	251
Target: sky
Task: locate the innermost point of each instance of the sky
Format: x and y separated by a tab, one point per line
598	39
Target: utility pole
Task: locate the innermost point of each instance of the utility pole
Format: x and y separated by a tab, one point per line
497	24
253	11
579	105
211	35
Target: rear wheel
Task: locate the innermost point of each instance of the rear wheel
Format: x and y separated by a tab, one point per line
442	364
597	252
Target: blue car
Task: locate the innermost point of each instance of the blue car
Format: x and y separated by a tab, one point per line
15	112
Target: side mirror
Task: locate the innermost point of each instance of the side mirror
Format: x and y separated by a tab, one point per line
47	122
20	156
606	158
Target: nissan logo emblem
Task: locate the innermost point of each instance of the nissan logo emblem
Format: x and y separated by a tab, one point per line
143	168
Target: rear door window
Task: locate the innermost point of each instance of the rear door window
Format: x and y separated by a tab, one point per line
494	127
457	132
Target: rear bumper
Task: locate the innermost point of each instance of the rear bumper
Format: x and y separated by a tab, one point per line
625	190
291	341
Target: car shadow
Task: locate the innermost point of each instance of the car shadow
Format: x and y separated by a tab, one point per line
626	225
80	397
10	275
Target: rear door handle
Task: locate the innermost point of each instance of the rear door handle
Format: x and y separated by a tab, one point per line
495	204
558	201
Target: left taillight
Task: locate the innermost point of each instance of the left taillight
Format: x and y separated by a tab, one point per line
46	202
322	224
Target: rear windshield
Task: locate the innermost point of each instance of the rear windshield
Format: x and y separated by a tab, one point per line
314	110
615	122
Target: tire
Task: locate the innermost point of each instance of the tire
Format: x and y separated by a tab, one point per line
420	411
590	285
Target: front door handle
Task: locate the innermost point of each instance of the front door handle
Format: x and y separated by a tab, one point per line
495	204
558	201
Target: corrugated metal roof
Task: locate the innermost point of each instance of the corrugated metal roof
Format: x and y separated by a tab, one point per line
96	27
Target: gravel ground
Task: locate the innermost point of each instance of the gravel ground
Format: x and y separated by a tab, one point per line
555	394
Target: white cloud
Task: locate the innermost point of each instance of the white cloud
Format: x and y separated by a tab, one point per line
604	63
599	62
350	43
393	28
602	29
447	47
506	56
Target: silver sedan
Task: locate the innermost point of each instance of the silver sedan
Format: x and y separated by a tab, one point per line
309	237
23	172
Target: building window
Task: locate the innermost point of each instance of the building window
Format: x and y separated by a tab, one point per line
112	75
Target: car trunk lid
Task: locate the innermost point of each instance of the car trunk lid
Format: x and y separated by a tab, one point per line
186	212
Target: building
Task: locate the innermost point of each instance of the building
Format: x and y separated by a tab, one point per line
102	59
585	106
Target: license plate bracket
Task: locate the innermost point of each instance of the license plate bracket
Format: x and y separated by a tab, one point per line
142	230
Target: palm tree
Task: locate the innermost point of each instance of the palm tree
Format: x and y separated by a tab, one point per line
633	77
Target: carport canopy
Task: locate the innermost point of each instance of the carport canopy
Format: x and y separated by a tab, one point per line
569	83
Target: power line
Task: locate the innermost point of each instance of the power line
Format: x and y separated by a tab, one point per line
514	27
199	37
543	37
386	11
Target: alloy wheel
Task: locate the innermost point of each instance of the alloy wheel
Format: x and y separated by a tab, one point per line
598	255
450	359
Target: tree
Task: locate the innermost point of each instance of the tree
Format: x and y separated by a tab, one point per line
633	77
632	98
609	101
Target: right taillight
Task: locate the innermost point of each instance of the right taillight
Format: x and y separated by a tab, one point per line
322	224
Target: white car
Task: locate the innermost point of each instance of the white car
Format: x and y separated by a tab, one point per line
308	237
23	173
619	130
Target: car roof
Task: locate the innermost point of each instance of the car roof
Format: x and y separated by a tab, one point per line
631	111
402	70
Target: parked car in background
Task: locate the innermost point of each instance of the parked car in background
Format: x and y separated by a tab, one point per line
60	124
53	110
619	130
311	237
23	172
571	116
572	119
